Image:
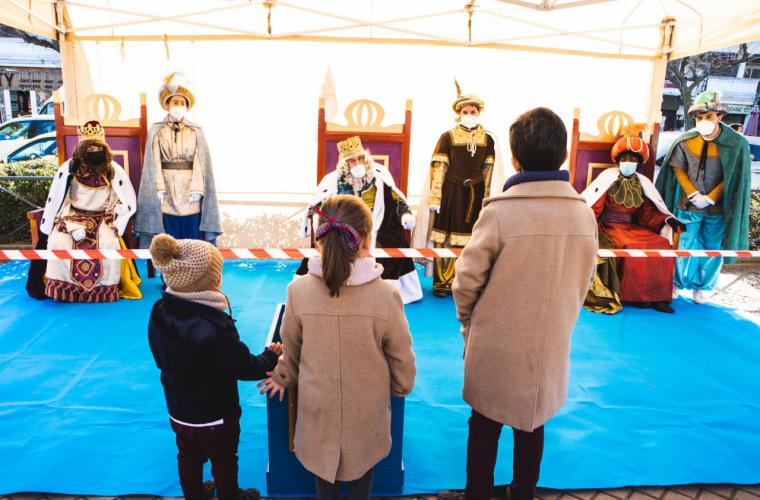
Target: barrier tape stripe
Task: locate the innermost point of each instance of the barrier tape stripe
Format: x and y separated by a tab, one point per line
300	253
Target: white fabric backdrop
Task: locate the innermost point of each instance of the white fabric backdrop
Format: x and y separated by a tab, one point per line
258	100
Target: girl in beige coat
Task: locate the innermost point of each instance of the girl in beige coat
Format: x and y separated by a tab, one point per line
347	346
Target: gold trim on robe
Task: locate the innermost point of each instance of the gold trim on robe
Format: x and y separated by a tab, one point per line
461	137
437	175
454	239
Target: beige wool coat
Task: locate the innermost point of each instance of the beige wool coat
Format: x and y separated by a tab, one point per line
519	288
348	355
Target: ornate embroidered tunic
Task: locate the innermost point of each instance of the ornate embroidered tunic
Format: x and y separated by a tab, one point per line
178	169
460	175
89	206
700	160
628	219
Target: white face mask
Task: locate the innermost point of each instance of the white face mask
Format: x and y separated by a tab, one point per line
627	168
178	112
469	121
706	128
358	171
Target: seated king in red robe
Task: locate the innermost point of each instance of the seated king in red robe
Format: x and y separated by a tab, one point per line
631	214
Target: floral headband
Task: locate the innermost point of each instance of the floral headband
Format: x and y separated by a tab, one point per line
348	234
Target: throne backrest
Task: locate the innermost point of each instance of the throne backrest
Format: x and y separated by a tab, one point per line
590	154
126	138
388	144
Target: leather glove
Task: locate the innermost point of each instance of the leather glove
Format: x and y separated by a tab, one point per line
195	197
434	208
78	234
407	220
700	201
676	224
161	196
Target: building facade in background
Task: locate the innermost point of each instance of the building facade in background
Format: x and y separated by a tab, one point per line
29	74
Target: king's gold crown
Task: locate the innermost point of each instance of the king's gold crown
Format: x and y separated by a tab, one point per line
351	147
91	130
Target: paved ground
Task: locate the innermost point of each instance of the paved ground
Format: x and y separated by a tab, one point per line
693	491
739	288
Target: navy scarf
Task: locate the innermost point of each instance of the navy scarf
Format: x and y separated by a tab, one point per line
536	175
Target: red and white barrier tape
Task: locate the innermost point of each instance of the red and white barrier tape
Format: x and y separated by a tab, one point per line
299	253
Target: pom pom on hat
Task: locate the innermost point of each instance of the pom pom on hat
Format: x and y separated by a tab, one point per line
187	265
634	130
164	249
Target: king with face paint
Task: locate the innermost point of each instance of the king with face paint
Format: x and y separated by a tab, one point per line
631	214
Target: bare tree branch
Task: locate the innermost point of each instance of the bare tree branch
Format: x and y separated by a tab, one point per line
10	32
689	73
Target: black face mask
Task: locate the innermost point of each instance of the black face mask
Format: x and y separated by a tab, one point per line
95	157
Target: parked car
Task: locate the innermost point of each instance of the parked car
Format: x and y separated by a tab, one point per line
46	108
37	147
668	138
16	131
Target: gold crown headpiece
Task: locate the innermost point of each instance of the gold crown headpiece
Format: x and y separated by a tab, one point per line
351	147
91	131
175	84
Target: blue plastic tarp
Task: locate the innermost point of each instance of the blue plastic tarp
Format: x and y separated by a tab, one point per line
654	399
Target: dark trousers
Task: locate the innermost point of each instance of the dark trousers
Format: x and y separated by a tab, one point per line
482	445
219	443
358	489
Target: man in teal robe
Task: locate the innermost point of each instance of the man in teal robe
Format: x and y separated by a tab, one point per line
705	182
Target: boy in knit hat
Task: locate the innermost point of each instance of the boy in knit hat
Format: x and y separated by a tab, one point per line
197	348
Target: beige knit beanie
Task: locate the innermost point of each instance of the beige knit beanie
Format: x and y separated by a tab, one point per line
187	265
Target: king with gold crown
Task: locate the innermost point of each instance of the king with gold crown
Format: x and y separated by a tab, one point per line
358	175
89	205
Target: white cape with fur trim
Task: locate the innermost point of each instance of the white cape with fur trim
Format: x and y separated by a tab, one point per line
408	284
424	223
604	181
120	183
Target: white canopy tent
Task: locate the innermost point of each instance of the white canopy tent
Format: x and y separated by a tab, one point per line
613	28
257	67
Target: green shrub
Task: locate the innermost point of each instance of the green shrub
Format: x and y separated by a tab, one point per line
14	226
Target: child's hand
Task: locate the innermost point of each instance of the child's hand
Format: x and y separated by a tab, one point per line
275	347
271	387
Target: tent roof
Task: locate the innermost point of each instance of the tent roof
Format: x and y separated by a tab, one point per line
610	28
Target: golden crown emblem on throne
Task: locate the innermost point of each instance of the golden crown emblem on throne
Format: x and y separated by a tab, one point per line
91	131
351	147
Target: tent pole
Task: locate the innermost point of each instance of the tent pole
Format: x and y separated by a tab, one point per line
659	68
77	81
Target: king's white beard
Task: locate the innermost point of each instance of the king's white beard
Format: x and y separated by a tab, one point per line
357	184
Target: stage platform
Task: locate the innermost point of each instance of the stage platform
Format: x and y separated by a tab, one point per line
654	399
